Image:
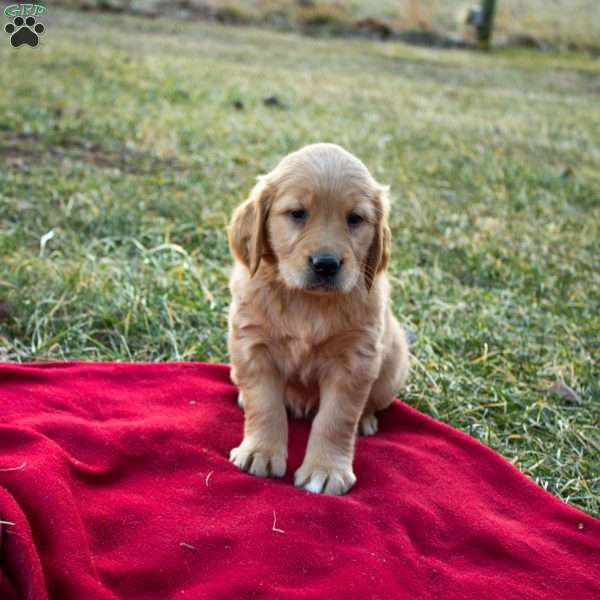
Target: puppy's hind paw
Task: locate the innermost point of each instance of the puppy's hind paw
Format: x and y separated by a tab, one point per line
368	425
301	412
261	463
240	400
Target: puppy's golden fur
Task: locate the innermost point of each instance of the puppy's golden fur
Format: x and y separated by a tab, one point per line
325	343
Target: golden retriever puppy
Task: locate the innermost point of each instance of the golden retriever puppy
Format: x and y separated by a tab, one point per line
310	324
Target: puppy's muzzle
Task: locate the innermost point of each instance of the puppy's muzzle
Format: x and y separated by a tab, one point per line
325	267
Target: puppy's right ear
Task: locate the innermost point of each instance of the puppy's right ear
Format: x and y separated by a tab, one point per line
247	230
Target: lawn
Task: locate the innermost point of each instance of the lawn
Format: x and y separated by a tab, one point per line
126	142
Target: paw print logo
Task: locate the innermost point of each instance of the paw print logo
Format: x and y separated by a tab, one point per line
24	31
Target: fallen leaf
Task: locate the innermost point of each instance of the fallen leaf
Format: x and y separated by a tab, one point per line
560	388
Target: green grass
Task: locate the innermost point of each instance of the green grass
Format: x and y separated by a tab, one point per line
120	137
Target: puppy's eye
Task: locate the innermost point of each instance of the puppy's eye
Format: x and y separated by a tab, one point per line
299	215
354	219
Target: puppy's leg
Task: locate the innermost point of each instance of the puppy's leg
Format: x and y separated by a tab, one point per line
327	466
263	450
392	377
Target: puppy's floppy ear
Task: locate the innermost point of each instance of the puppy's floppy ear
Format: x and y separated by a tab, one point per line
378	256
247	230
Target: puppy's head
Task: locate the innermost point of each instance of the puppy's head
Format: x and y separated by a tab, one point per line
320	217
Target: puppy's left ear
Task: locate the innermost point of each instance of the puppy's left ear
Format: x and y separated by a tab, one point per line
378	257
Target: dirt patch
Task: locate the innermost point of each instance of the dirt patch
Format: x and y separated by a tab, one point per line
6	309
18	150
308	17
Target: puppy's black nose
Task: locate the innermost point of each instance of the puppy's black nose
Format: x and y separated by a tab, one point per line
325	265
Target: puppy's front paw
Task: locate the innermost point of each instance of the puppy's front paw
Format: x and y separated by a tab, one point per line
258	461
334	480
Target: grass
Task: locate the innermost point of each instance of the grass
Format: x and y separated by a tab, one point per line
126	142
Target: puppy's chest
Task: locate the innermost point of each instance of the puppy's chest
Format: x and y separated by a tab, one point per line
299	355
305	335
302	346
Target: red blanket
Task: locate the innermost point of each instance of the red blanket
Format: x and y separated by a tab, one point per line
115	484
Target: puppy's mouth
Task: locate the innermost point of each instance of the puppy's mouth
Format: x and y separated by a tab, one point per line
317	284
322	287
